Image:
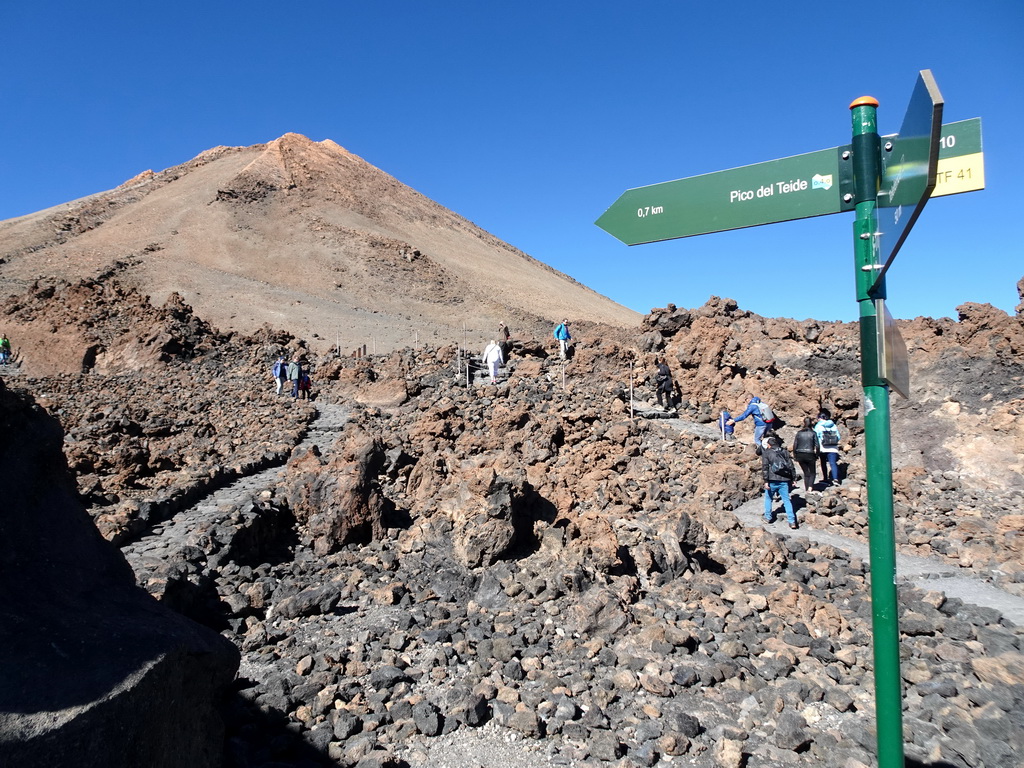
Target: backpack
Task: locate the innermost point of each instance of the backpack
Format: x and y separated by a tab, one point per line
767	414
805	442
829	437
781	465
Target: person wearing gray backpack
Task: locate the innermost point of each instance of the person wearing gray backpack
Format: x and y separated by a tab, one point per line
828	444
763	416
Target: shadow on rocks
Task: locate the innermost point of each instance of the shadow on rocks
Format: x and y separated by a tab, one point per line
260	735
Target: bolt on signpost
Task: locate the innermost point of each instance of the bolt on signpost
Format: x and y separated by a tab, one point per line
886	180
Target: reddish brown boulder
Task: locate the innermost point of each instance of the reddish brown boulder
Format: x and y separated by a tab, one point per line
338	502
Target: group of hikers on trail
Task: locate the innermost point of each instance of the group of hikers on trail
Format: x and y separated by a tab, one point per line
816	440
292	373
496	353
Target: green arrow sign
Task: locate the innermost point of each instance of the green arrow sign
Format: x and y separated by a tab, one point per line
739	197
796	187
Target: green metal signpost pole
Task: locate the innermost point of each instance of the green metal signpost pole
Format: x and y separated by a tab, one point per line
885	621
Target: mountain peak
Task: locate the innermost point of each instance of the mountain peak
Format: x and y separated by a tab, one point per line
303	236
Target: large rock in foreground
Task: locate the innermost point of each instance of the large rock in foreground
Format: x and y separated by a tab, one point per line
95	672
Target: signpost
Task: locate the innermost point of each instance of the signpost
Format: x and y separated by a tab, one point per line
893	362
895	175
699	205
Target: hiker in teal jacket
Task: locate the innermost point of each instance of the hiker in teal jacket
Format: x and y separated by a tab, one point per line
828	444
562	334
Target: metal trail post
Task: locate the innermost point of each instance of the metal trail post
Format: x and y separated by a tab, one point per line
630	389
878	448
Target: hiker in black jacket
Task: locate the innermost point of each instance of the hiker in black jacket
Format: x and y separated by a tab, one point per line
777	470
805	451
663	384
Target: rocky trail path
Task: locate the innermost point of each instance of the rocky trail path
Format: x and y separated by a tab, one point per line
230	520
928	573
214	524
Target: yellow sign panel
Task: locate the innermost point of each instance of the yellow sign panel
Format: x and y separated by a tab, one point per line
960	174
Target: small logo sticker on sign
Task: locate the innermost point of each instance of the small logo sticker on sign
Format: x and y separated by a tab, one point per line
821	182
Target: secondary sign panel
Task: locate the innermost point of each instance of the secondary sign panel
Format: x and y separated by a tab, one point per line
813	184
909	164
893	360
961	160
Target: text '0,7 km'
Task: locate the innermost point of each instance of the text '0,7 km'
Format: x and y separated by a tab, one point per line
649	210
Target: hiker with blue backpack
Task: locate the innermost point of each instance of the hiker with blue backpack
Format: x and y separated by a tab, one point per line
764	417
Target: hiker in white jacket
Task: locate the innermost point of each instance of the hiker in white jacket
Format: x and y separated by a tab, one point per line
494	358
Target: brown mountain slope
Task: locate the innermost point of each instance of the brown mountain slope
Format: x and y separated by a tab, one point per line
300	235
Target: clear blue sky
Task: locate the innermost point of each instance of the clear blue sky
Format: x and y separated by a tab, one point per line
530	119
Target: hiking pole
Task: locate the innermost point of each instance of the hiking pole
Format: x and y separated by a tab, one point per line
630	389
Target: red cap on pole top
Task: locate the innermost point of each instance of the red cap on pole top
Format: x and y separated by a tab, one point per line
864	101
